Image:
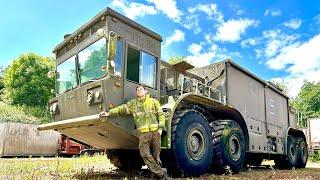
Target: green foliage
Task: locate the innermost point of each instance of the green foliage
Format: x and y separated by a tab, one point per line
26	81
175	59
308	102
315	156
280	85
23	114
1	80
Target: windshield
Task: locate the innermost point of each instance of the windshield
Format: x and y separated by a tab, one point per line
66	75
91	60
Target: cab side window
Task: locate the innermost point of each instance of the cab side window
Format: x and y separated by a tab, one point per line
141	67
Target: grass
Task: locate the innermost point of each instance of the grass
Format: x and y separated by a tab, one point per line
23	114
54	168
99	167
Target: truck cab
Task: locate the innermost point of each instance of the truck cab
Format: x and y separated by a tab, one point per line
97	68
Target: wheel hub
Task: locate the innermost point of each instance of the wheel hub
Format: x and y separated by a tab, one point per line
234	147
196	144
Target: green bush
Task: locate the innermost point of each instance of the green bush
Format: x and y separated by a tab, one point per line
315	156
23	114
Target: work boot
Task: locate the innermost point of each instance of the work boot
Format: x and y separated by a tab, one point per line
165	174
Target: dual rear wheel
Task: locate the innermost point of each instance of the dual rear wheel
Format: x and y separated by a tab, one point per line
297	154
199	147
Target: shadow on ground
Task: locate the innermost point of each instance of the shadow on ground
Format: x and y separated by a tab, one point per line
116	174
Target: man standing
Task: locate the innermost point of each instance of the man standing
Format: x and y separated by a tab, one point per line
150	121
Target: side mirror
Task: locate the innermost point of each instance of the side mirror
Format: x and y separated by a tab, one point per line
112	49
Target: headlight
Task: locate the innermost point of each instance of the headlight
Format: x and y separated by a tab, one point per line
54	108
90	97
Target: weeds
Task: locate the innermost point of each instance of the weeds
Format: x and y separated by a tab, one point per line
315	156
23	114
53	168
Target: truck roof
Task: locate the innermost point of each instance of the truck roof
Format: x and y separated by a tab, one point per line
109	12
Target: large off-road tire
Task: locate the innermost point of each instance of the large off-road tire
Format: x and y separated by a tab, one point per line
125	159
290	160
229	146
302	153
191	146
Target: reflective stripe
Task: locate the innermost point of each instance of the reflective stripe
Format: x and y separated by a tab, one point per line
153	127
127	109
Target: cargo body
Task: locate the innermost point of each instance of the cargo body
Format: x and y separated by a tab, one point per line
218	115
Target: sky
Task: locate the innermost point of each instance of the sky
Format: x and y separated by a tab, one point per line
276	40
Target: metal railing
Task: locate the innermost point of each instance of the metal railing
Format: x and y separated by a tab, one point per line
193	85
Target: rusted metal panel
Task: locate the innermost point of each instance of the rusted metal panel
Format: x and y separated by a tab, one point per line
24	140
314	133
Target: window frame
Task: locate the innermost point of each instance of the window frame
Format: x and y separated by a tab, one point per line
140	58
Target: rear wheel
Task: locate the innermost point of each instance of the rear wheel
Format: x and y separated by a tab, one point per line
290	160
191	153
125	159
302	153
228	145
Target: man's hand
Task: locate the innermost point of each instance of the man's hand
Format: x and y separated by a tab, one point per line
160	131
104	114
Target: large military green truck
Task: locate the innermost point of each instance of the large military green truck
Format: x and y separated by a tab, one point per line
219	117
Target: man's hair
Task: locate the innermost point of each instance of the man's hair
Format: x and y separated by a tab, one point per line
140	86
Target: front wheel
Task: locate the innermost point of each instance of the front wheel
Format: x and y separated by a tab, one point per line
191	144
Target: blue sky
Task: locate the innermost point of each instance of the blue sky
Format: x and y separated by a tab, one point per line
277	40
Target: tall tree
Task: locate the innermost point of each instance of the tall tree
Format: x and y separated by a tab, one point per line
26	82
308	101
1	80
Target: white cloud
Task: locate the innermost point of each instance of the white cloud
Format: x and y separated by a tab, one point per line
134	10
272	12
232	30
301	61
200	57
210	9
250	42
169	8
293	24
194	48
275	40
259	53
177	36
237	9
192	22
209	38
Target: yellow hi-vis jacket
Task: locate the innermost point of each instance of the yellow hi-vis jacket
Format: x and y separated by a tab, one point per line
147	113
